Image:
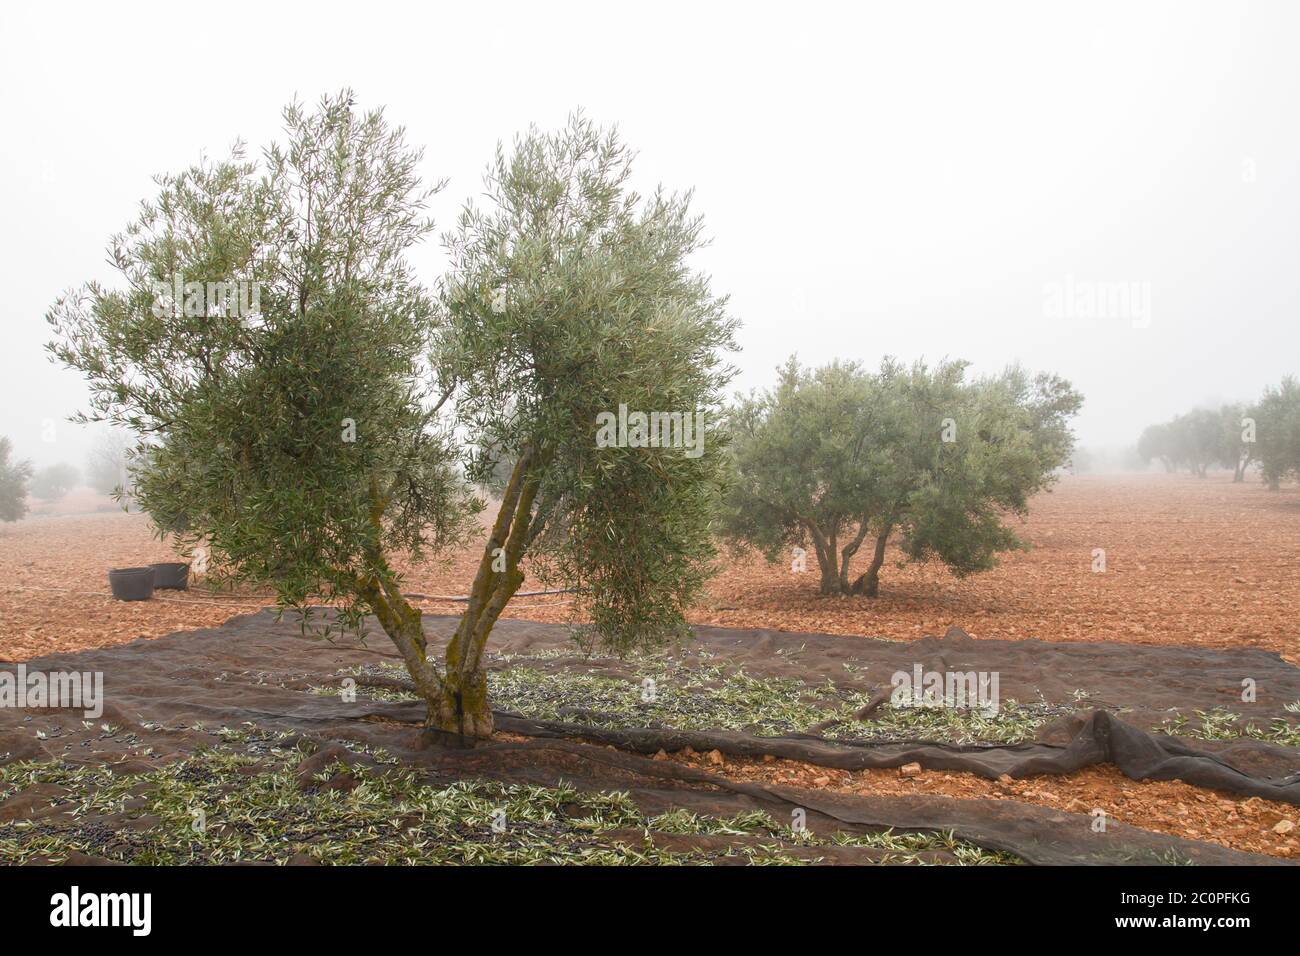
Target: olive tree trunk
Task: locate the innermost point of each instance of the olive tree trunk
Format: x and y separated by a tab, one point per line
457	697
868	584
834	565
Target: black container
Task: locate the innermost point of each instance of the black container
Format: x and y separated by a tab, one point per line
171	576
131	584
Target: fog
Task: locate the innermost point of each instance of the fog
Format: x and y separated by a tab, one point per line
1106	191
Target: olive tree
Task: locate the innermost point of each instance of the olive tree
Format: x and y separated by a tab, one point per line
107	464
14	475
1201	438
313	413
1277	432
585	356
838	456
1157	442
1236	442
53	482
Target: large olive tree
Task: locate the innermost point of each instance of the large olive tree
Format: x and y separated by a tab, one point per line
839	456
300	392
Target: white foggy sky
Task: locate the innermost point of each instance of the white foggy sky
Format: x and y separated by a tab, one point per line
900	178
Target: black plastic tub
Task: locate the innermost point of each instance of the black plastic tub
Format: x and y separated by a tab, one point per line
131	584
171	576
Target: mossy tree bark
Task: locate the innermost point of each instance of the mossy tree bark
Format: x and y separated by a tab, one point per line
457	698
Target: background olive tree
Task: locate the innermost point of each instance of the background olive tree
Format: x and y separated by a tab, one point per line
53	482
836	457
1234	436
1236	449
14	475
107	463
1157	442
1277	432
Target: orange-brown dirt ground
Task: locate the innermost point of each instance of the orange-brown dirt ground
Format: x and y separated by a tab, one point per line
1193	562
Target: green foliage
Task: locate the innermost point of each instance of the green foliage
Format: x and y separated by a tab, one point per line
1277	424
569	296
14	476
1196	440
711	696
837	454
54	481
1219	723
256	809
246	405
293	382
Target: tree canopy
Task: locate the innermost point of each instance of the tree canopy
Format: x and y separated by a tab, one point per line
838	455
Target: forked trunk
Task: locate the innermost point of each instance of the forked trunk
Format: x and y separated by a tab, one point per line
457	698
826	559
835	565
462	708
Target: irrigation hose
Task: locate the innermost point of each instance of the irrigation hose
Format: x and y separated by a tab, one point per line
433	598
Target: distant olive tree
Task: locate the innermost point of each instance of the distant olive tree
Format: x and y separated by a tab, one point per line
1236	446
839	456
1201	438
1157	443
53	482
311	430
107	465
14	476
1192	441
1277	432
